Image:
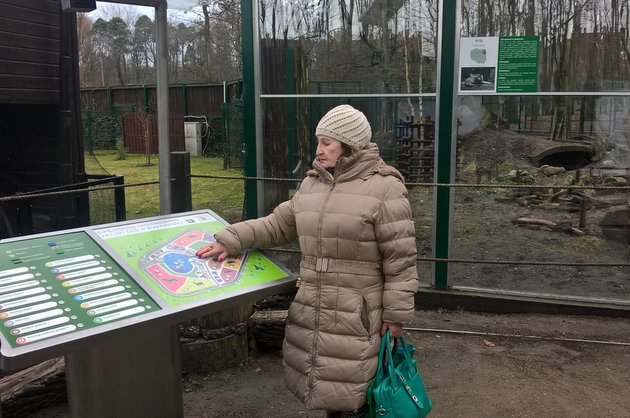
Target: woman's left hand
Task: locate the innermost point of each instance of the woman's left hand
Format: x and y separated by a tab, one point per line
395	329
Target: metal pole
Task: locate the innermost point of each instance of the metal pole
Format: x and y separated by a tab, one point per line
446	136
258	111
164	146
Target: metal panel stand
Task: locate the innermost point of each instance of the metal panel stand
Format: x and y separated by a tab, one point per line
135	376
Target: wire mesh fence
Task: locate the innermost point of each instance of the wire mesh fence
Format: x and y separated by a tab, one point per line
536	245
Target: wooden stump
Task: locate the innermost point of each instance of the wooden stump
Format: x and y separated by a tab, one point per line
217	341
267	327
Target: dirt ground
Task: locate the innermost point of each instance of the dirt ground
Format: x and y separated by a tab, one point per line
508	375
484	228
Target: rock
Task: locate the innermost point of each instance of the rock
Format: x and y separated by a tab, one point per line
615	181
606	201
552	171
521	173
616	226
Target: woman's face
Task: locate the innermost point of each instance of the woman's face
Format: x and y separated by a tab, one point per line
328	151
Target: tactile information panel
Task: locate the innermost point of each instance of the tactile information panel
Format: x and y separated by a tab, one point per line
58	289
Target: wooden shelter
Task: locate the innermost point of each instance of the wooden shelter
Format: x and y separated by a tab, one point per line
41	144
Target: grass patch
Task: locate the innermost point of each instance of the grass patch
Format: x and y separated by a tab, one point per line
225	197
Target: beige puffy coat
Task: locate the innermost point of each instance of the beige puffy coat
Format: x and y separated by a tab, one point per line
358	269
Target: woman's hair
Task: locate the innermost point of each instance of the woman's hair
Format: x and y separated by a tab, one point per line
347	150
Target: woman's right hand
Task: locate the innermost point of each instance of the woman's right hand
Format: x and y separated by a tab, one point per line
213	250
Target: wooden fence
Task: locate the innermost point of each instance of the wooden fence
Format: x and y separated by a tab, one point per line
140	130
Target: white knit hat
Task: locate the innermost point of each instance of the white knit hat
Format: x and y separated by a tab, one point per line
347	125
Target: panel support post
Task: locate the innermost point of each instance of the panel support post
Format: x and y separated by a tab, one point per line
137	375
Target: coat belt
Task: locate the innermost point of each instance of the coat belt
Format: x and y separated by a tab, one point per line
335	265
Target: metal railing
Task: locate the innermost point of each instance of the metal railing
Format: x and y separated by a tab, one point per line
42	210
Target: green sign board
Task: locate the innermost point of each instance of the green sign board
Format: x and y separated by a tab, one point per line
494	64
61	284
517	69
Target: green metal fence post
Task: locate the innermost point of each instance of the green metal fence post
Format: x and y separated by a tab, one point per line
225	146
249	113
89	120
445	138
185	99
110	100
145	94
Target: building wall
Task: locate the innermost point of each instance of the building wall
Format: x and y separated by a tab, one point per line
29	51
40	132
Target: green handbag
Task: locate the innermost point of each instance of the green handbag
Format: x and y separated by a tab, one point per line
397	390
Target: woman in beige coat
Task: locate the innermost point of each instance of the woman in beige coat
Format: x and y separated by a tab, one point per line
358	269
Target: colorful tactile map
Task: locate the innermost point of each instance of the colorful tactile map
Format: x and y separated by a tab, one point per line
163	253
177	269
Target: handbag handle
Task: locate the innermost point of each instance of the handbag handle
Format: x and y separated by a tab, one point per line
404	346
385	360
393	371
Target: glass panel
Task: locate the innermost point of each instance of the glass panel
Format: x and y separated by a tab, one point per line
545	199
348	46
289	148
583	45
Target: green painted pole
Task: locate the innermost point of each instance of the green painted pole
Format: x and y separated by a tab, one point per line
89	120
249	113
110	99
185	99
145	94
445	139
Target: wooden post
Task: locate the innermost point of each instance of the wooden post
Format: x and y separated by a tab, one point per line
119	199
583	213
181	189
